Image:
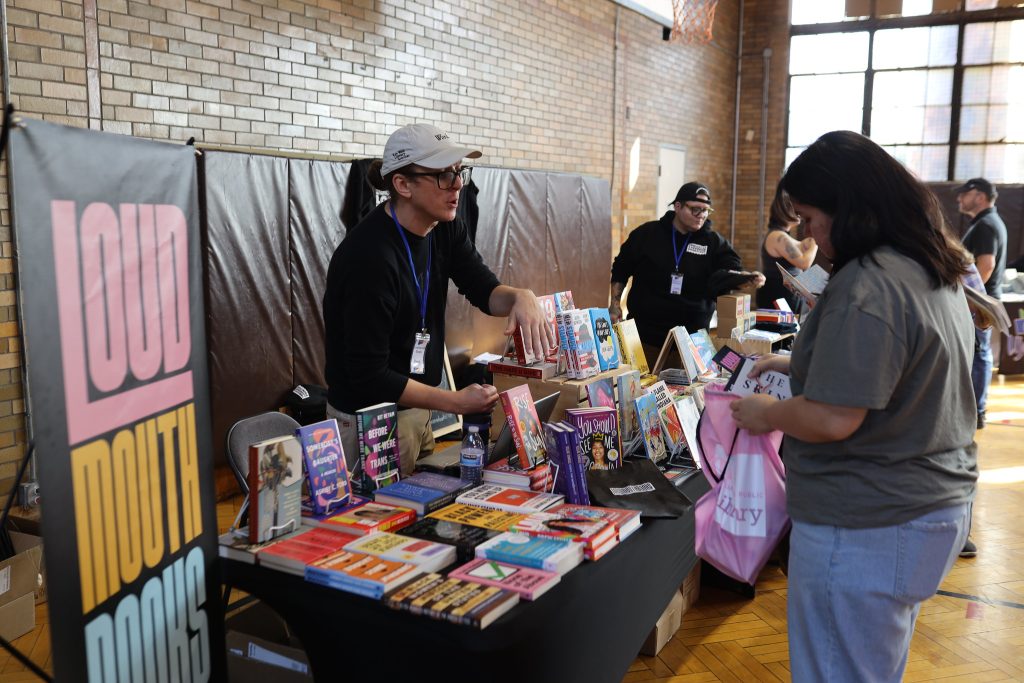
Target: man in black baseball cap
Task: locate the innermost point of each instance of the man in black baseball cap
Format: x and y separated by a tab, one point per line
986	239
679	266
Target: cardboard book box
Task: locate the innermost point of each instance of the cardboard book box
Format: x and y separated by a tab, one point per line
672	618
21	586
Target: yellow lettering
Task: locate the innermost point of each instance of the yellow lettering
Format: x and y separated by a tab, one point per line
167	424
189	472
147	450
126	500
93	493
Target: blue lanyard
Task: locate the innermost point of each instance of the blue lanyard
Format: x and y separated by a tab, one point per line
676	253
425	290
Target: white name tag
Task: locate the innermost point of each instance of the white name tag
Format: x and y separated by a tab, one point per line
698	249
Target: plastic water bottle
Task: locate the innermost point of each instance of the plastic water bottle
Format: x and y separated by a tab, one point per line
471	456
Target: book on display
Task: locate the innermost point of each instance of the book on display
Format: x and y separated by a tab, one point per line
529	583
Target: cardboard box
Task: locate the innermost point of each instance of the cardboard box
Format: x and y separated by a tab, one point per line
17	617
666	627
22	574
260	648
733	306
690	590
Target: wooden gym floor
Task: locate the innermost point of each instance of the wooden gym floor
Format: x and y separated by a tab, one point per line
972	631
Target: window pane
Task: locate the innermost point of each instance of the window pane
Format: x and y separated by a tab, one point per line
978	40
906	8
910	124
909	88
818	11
993	85
927	162
819	104
989	42
828	53
1009	43
998	163
905	47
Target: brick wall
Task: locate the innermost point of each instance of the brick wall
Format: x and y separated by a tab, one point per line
534	83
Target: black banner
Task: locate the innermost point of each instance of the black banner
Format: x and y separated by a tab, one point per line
108	249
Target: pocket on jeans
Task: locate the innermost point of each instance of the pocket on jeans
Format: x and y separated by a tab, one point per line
926	549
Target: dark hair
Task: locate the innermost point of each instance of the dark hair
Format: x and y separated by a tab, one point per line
873	201
782	214
384	183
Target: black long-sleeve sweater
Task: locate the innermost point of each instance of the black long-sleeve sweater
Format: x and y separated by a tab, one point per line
371	307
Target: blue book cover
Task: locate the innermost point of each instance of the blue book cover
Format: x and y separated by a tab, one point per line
569	443
525	550
324	461
409	491
441	482
605	338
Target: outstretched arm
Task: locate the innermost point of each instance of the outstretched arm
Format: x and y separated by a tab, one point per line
523	310
799	253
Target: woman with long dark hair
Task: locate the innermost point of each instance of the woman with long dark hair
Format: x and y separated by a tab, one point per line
881	463
780	249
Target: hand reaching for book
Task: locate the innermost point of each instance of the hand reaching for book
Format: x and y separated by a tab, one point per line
772	361
749	412
476	398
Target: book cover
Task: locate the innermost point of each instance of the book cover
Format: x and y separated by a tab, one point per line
705	347
628	389
294	553
625	521
534	479
509	499
358	573
312	519
464	537
689	418
530	584
630	346
598	431
569	445
532	551
727	359
671	427
369	517
586	346
770	382
650	426
604	336
326	472
564	484
547	304
523	357
275	488
377	427
429	556
567	341
527	435
450	599
589	531
441	482
687	352
601	394
563	301
474	515
404	493
545	370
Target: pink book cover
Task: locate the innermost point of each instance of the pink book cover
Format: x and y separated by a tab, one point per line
528	583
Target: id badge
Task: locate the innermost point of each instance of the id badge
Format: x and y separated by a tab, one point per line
677	284
418	362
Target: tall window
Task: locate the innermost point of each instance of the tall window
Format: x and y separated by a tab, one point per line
937	83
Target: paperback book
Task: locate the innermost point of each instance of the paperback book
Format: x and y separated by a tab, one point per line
530	584
629	388
361	574
377	427
625	521
275	488
598	432
292	554
650	426
408	494
326	472
604	336
509	499
369	517
601	393
532	551
450	599
474	515
429	556
463	537
523	423
631	348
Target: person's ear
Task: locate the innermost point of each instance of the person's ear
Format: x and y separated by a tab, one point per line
402	185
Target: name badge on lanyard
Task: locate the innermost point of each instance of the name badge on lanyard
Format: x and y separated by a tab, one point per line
418	359
676	286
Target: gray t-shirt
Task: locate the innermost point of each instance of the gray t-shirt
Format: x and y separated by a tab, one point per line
882	337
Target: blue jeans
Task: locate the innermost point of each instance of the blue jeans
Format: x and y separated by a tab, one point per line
981	368
854	594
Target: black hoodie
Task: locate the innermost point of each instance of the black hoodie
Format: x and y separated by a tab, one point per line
647	257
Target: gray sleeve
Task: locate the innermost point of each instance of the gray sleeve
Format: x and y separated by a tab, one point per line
858	361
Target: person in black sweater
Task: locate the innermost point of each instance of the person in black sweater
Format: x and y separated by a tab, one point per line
679	248
387	289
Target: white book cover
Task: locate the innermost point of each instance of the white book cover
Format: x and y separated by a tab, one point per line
510	499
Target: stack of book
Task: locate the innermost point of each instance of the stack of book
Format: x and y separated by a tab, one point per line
596	536
509	499
624	521
537	478
423	492
361	574
530	584
452	599
563	449
369	517
463	537
549	554
427	555
291	555
473	515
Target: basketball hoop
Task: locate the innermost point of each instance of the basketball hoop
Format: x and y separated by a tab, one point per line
692	20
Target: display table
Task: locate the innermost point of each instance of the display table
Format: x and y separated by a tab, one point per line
587	628
1010	359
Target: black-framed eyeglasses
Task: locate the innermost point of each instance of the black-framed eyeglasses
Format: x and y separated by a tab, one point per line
445	179
698	211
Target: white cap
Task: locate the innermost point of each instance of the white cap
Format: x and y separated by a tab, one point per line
423	144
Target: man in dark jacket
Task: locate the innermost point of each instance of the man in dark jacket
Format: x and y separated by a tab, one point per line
679	266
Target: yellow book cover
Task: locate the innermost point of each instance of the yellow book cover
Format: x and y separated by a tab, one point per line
377	543
435	593
629	344
474	599
498	520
